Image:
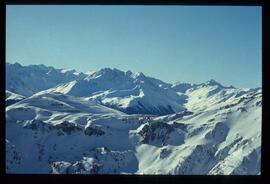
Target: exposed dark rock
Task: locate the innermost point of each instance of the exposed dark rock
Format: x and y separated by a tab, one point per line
200	158
181	126
93	130
79	168
219	133
228	106
250	164
12	101
68	127
37	125
164	153
210	120
259	103
156	131
242	109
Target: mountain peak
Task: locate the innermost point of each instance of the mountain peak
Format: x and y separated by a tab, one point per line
182	87
140	75
109	71
16	64
212	82
89	72
129	73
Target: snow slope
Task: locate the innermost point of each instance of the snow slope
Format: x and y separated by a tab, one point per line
55	133
44	128
225	140
213	95
12	98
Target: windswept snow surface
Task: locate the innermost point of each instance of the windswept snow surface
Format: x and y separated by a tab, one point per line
85	126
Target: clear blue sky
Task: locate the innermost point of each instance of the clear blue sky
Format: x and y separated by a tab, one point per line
172	43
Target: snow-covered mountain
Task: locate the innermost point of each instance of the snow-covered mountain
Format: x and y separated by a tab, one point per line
83	126
132	93
27	80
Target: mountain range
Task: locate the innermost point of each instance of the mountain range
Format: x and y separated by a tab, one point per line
122	122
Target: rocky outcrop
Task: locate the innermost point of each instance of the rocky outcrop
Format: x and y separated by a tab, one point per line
160	134
93	130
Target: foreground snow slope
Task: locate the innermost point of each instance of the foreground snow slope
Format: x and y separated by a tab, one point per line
57	133
114	122
225	140
46	128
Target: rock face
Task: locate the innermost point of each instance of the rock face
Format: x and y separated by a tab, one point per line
93	130
13	157
160	134
219	133
103	161
201	159
37	125
119	124
67	127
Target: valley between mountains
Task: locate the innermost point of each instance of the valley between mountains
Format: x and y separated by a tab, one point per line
121	122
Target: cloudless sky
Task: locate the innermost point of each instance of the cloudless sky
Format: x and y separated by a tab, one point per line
171	43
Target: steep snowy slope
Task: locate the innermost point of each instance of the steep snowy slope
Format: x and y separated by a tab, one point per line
182	87
213	95
226	140
27	80
132	93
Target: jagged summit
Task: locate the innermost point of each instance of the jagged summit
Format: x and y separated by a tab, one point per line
183	87
16	64
27	80
112	73
212	82
109	72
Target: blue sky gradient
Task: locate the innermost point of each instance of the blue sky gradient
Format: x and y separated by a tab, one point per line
172	43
